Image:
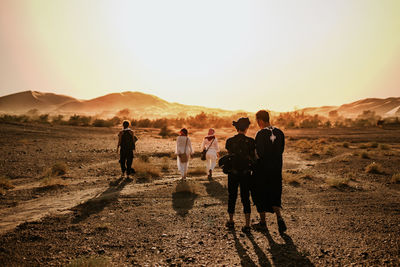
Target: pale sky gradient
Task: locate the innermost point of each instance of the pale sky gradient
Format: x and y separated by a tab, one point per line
228	54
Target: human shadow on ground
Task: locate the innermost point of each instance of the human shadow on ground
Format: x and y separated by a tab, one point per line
286	254
216	190
245	259
183	198
98	203
262	257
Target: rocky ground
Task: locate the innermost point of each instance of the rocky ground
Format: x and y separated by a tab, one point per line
337	213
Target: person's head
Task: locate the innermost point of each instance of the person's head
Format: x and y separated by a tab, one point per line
125	124
242	124
262	117
211	132
183	132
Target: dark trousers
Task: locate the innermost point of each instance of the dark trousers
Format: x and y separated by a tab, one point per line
125	159
242	181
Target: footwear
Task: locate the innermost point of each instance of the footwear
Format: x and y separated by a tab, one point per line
281	225
210	175
261	226
246	229
230	224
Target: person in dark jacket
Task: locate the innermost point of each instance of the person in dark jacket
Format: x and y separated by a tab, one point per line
126	141
270	144
242	148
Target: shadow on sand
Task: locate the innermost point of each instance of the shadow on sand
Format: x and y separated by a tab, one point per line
97	204
216	190
277	255
183	198
286	254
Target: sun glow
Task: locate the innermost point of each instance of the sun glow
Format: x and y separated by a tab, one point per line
229	54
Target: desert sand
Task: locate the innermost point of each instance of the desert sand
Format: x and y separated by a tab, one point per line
336	211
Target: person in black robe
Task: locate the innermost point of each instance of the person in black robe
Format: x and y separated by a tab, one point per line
270	144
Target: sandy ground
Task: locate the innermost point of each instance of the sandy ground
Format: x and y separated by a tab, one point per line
90	212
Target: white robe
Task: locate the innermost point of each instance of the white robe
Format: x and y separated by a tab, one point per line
180	149
211	156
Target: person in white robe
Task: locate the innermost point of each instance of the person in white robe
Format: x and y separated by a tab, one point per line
210	142
183	146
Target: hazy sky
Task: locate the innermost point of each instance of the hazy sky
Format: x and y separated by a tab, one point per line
229	54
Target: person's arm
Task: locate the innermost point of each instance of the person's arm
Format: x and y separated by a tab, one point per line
260	144
119	141
190	147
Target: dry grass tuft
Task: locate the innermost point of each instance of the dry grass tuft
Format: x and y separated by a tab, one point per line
374	168
145	169
5	183
165	164
144	158
373	145
329	150
291	178
337	182
322	141
59	168
365	155
102	227
51	181
363	146
93	261
304	145
395	178
198	171
384	147
346	145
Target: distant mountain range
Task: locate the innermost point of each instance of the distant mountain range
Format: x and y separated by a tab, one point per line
142	105
384	107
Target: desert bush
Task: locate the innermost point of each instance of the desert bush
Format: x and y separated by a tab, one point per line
337	182
198	171
363	146
365	155
146	170
346	145
58	119
5	183
93	261
78	120
384	147
14	118
102	123
164	131
374	168
395	178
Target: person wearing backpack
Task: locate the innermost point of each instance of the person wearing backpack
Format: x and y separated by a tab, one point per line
270	144
242	150
126	143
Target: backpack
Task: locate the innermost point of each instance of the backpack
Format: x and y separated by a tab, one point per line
127	141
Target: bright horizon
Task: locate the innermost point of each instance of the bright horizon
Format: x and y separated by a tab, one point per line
225	54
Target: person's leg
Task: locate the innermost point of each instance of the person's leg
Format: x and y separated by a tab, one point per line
245	198
233	185
208	165
122	159
281	223
129	160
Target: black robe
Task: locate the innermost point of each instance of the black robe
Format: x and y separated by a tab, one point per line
270	144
